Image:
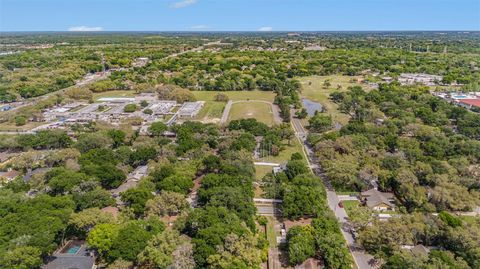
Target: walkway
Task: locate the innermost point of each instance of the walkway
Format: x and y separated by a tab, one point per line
266	164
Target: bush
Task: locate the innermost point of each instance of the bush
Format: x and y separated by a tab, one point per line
130	108
20	120
221	97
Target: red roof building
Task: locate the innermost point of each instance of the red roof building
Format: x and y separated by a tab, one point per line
470	102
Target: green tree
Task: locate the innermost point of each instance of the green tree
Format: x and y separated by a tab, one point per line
296	167
136	198
320	123
130	108
300	244
20	120
118	137
158	252
166	204
238	251
102	237
133	238
87	219
22	257
157	128
301	114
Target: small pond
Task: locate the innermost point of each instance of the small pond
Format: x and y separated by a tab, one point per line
311	106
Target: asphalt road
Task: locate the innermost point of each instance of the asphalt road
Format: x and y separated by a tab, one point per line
360	257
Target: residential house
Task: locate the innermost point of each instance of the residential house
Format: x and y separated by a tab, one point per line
417	250
377	200
10	174
73	255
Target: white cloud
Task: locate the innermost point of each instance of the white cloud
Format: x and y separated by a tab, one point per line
183	3
199	27
265	29
84	29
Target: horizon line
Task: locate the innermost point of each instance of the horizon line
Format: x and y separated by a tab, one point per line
229	31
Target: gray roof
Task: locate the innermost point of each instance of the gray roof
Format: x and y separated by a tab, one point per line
420	250
70	262
374	198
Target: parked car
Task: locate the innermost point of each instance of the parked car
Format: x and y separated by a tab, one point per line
354	233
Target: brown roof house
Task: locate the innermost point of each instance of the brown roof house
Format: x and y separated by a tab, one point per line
9	175
377	200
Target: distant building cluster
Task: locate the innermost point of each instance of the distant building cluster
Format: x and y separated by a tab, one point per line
112	110
419	78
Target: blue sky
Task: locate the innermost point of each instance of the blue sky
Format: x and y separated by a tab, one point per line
238	15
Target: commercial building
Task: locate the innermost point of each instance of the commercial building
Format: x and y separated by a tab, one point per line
190	109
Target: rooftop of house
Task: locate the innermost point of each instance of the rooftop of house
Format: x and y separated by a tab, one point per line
310	263
70	262
72	255
420	250
30	173
375	197
10	174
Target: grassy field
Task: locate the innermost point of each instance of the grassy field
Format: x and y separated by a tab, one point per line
235	95
313	89
285	154
211	112
472	220
271	235
244	110
350	206
9	126
126	93
261	171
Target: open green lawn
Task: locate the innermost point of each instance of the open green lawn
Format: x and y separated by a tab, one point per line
285	154
313	89
235	95
125	93
8	126
472	220
244	110
350	206
271	235
261	171
211	112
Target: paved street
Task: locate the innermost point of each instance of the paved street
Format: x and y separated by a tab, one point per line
360	257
